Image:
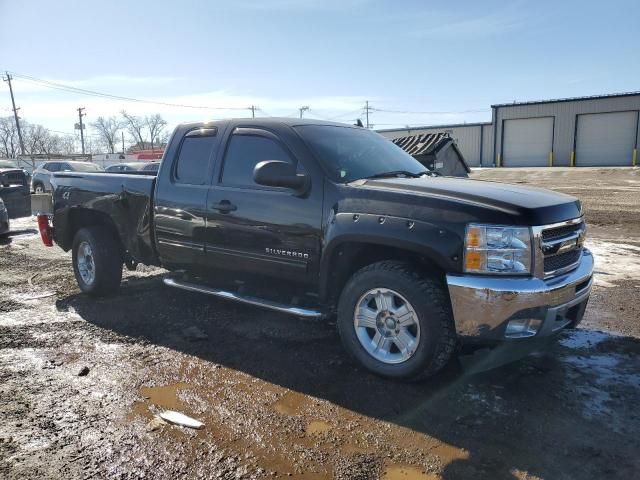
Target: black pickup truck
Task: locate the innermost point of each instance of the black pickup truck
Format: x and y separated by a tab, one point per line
324	220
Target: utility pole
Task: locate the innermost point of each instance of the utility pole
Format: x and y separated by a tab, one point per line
253	111
122	142
367	109
80	115
15	111
302	110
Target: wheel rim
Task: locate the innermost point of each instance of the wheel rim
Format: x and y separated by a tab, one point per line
86	265
386	325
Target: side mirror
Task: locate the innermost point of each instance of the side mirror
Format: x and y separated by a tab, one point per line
275	173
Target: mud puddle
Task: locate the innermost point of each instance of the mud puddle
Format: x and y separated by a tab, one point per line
407	472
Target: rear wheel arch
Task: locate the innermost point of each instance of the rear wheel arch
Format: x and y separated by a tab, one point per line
75	219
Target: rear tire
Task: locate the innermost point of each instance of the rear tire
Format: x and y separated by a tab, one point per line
38	188
97	260
412	336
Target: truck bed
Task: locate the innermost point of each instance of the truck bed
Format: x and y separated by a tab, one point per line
126	199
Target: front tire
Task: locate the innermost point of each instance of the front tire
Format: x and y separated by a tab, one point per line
38	188
397	322
97	261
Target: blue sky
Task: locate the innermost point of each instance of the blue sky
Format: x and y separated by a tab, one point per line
452	57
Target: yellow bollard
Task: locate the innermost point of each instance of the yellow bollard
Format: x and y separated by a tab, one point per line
572	159
634	159
551	159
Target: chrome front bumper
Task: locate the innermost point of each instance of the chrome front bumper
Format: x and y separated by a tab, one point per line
484	305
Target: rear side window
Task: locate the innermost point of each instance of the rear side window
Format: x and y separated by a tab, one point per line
193	160
244	153
52	167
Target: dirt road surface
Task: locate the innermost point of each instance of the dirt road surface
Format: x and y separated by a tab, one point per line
81	380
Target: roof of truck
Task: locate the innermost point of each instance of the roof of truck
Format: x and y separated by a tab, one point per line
269	121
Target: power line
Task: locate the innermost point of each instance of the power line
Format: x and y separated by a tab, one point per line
83	91
429	113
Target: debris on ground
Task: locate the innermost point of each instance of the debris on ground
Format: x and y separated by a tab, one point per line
181	419
155	423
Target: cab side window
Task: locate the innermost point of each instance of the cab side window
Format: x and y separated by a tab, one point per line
52	167
193	159
244	152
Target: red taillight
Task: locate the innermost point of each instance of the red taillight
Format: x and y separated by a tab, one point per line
45	230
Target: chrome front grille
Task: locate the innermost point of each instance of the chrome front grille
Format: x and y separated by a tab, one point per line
553	263
559	232
559	247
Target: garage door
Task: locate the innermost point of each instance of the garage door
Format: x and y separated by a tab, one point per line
606	138
527	142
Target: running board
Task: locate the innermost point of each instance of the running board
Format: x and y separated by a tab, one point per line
258	302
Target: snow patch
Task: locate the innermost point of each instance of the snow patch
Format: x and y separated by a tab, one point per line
614	262
575	339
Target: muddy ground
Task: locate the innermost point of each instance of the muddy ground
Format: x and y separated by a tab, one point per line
81	379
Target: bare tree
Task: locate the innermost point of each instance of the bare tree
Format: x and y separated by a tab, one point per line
67	144
155	126
107	129
9	143
135	126
37	139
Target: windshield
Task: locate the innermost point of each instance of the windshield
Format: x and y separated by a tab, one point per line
353	153
86	167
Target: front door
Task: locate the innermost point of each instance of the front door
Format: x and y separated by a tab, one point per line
257	229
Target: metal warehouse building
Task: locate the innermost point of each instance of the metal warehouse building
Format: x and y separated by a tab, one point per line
584	131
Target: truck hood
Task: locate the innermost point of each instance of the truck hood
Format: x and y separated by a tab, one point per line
490	201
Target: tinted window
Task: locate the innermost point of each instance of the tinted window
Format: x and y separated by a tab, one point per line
52	167
353	153
244	153
193	160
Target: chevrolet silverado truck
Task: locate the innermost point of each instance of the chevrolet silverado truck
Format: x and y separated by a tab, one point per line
325	220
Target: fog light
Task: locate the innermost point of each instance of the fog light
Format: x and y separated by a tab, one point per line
522	327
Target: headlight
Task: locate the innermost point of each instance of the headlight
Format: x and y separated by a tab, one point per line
497	249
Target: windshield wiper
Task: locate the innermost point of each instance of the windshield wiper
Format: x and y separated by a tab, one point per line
397	173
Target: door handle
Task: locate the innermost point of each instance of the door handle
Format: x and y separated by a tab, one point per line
225	206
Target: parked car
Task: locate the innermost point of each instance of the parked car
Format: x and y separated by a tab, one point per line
4	220
5	164
40	182
15	190
151	167
125	167
319	219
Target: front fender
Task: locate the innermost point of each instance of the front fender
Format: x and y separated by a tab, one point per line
439	244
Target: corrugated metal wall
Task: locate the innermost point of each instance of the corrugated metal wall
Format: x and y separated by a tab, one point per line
470	139
565	114
487	145
476	140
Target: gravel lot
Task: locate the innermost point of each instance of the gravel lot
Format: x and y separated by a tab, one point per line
81	379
